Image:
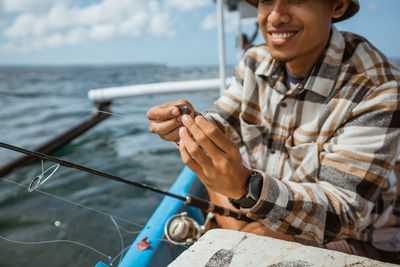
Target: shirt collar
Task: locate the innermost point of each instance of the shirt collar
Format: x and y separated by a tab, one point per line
324	73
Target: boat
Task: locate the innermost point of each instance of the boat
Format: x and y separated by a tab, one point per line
160	248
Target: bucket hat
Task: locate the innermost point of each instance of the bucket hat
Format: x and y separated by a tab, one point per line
353	8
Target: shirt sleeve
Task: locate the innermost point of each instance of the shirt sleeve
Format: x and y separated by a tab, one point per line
354	190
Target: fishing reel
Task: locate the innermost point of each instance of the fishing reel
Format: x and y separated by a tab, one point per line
180	229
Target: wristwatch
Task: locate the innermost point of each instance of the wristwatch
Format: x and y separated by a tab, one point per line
254	187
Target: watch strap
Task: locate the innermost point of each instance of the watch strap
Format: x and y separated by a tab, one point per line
254	188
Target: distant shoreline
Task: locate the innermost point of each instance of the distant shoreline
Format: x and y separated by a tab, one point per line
395	60
106	65
86	65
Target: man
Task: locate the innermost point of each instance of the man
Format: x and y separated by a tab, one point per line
317	112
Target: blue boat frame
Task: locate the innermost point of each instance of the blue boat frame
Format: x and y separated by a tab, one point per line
186	184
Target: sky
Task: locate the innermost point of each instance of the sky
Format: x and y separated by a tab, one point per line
171	32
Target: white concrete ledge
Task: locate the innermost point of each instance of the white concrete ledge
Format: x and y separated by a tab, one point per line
237	249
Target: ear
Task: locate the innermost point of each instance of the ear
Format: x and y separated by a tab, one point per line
339	7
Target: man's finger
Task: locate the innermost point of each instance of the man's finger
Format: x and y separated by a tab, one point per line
205	142
194	149
169	110
172	136
160	113
215	134
164	127
190	162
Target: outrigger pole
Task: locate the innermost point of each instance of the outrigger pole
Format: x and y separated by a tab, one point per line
188	200
102	98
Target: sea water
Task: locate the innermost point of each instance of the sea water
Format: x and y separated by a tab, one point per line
39	103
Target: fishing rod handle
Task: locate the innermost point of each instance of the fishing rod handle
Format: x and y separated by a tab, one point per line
210	207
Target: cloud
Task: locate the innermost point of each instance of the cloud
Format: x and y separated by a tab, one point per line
231	20
186	5
161	22
40	24
21	27
102	32
37	6
133	25
209	22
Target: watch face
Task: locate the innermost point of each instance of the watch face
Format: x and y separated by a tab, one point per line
255	185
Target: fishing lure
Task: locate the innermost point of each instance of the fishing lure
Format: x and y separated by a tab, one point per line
143	245
183	109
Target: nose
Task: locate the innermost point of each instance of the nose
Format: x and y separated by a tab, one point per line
279	13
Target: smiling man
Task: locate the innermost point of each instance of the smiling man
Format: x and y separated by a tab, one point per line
317	113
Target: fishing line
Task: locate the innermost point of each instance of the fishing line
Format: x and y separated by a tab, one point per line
120	237
77	204
71	106
55	241
188	200
128	231
117	227
89	170
110	260
120	254
41	178
128	247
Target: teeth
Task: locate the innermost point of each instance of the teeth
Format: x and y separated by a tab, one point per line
282	35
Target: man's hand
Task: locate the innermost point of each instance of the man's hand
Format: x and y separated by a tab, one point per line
165	119
213	157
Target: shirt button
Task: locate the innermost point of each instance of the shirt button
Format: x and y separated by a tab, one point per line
284	104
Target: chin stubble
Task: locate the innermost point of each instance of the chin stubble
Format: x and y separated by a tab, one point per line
283	59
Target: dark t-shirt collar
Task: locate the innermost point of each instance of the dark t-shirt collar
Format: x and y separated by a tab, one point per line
291	79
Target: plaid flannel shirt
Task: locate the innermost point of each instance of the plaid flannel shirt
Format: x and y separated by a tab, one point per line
326	147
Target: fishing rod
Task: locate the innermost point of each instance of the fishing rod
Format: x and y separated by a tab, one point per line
188	200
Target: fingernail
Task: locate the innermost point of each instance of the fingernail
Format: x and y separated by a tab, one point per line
175	111
197	118
185	118
181	130
179	119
